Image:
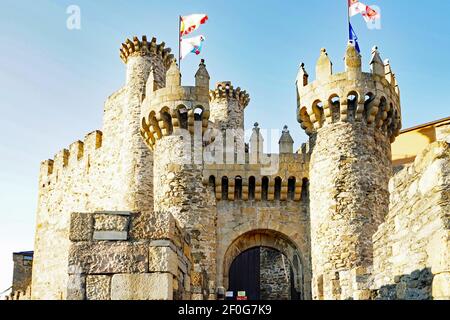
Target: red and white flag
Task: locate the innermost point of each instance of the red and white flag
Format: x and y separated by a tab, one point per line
191	23
356	7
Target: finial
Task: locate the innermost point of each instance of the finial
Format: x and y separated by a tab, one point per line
173	76
390	77
286	142
352	61
302	75
202	76
376	63
324	67
256	125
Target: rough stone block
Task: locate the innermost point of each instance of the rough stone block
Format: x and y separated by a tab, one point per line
81	226
196	279
148	286
163	226
76	287
98	287
110	235
111	222
441	286
163	259
108	257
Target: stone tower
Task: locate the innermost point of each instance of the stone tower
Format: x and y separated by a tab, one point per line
351	117
227	112
174	120
142	58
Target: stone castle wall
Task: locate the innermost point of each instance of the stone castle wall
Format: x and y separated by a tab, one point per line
179	190
106	263
108	171
122	216
23	263
275	275
412	247
245	225
349	199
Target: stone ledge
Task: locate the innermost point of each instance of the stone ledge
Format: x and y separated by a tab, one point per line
117	213
110	235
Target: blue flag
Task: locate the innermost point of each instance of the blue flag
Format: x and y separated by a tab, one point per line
353	37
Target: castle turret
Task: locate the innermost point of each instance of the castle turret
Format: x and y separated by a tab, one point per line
141	57
227	112
146	66
173	122
256	144
286	142
351	118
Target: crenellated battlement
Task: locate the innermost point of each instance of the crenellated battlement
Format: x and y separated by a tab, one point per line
350	96
175	106
280	177
225	90
141	47
76	152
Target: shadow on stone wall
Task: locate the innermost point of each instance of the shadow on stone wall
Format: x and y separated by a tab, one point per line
414	286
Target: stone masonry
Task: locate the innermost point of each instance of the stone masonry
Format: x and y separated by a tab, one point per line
159	204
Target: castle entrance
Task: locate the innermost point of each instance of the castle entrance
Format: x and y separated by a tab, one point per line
266	265
263	274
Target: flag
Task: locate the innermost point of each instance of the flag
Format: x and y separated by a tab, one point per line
191	45
191	23
353	38
370	15
355	7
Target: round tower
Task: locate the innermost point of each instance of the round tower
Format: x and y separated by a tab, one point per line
351	118
142	56
133	163
173	122
227	111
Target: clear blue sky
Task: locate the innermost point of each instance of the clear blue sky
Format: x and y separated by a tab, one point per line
53	81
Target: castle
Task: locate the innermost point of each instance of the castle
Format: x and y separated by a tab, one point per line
169	202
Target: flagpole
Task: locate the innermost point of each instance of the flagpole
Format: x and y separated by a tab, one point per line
179	42
348	20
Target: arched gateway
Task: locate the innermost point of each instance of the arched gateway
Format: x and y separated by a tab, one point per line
265	264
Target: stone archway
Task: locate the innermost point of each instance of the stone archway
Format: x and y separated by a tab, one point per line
269	239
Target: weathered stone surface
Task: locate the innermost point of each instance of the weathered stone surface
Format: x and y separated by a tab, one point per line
80	227
148	286
275	275
110	222
110	170
413	242
76	287
441	286
349	199
98	287
23	265
108	257
163	259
